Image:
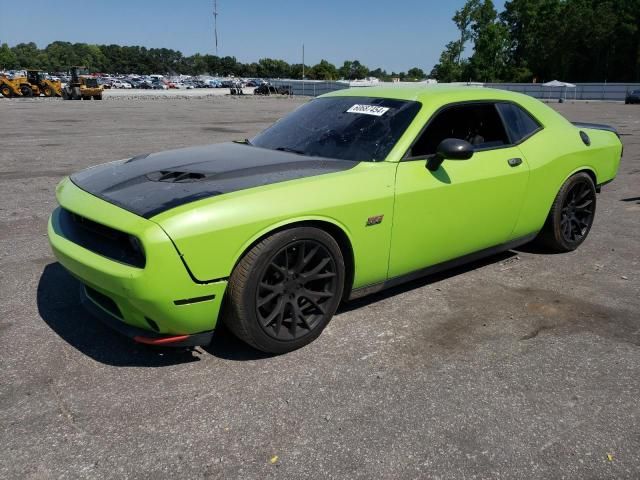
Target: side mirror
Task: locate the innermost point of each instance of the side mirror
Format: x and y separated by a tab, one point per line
450	149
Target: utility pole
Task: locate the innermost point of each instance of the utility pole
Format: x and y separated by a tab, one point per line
303	61
215	23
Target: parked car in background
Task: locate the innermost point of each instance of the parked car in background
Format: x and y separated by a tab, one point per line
632	97
105	82
120	84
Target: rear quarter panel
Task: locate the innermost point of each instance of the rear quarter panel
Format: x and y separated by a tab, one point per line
556	153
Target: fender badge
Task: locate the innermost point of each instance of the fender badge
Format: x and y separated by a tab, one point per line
374	220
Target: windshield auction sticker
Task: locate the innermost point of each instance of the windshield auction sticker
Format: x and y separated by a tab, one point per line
369	110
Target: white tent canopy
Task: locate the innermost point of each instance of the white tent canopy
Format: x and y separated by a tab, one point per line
558	83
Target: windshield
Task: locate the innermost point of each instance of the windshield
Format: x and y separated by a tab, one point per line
346	128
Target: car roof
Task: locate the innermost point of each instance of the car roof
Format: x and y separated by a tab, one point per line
439	95
429	92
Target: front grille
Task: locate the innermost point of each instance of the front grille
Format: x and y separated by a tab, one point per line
100	239
105	302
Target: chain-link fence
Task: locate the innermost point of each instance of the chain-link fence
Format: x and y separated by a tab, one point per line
309	88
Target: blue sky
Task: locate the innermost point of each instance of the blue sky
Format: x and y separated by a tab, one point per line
393	35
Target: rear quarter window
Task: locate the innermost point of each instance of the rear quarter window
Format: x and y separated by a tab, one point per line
518	123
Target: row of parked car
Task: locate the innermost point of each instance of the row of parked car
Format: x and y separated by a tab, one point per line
160	83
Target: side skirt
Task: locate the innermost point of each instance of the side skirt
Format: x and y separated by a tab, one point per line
456	262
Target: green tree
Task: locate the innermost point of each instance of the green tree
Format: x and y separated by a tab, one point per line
490	44
463	19
353	70
27	55
416	73
448	69
8	59
323	71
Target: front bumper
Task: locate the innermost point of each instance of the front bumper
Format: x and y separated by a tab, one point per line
138	334
158	301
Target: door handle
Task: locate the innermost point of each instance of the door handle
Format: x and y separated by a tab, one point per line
514	162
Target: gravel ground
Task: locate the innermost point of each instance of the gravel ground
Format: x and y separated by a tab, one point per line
525	365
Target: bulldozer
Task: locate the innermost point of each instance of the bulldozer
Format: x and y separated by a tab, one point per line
9	88
41	85
82	86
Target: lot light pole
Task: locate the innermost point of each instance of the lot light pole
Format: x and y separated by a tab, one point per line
215	23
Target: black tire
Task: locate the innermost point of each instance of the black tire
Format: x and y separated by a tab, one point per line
277	304
97	97
26	91
571	215
6	91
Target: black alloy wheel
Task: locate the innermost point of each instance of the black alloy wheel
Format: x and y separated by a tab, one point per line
571	215
296	289
577	212
285	289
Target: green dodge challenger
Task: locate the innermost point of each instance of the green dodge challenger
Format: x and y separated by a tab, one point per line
351	193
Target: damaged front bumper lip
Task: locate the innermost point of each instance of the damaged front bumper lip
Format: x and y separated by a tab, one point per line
140	335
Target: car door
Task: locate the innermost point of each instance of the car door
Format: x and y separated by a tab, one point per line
465	205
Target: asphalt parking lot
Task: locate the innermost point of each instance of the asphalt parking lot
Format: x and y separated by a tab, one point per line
526	365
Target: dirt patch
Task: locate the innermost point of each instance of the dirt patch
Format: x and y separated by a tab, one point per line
525	315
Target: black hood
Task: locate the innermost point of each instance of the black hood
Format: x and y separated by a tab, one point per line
150	184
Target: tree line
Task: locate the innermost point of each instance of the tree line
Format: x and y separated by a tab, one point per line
59	56
542	40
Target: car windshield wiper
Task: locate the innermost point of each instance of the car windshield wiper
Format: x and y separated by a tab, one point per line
290	150
246	141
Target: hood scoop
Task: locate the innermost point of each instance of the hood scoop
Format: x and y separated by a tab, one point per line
177	176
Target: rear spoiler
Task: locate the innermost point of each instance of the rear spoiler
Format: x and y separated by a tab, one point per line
596	126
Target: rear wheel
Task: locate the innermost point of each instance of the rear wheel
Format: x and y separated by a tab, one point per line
6	91
48	92
571	215
285	290
97	97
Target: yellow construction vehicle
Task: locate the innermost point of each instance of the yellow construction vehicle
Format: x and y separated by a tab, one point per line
82	86
9	88
41	85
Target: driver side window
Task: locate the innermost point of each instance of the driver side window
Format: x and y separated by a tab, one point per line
477	123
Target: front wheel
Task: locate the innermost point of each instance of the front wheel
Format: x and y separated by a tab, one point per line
571	215
26	91
285	290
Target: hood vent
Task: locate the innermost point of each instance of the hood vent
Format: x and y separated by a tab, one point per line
171	176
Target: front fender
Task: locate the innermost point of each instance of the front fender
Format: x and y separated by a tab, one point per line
212	234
